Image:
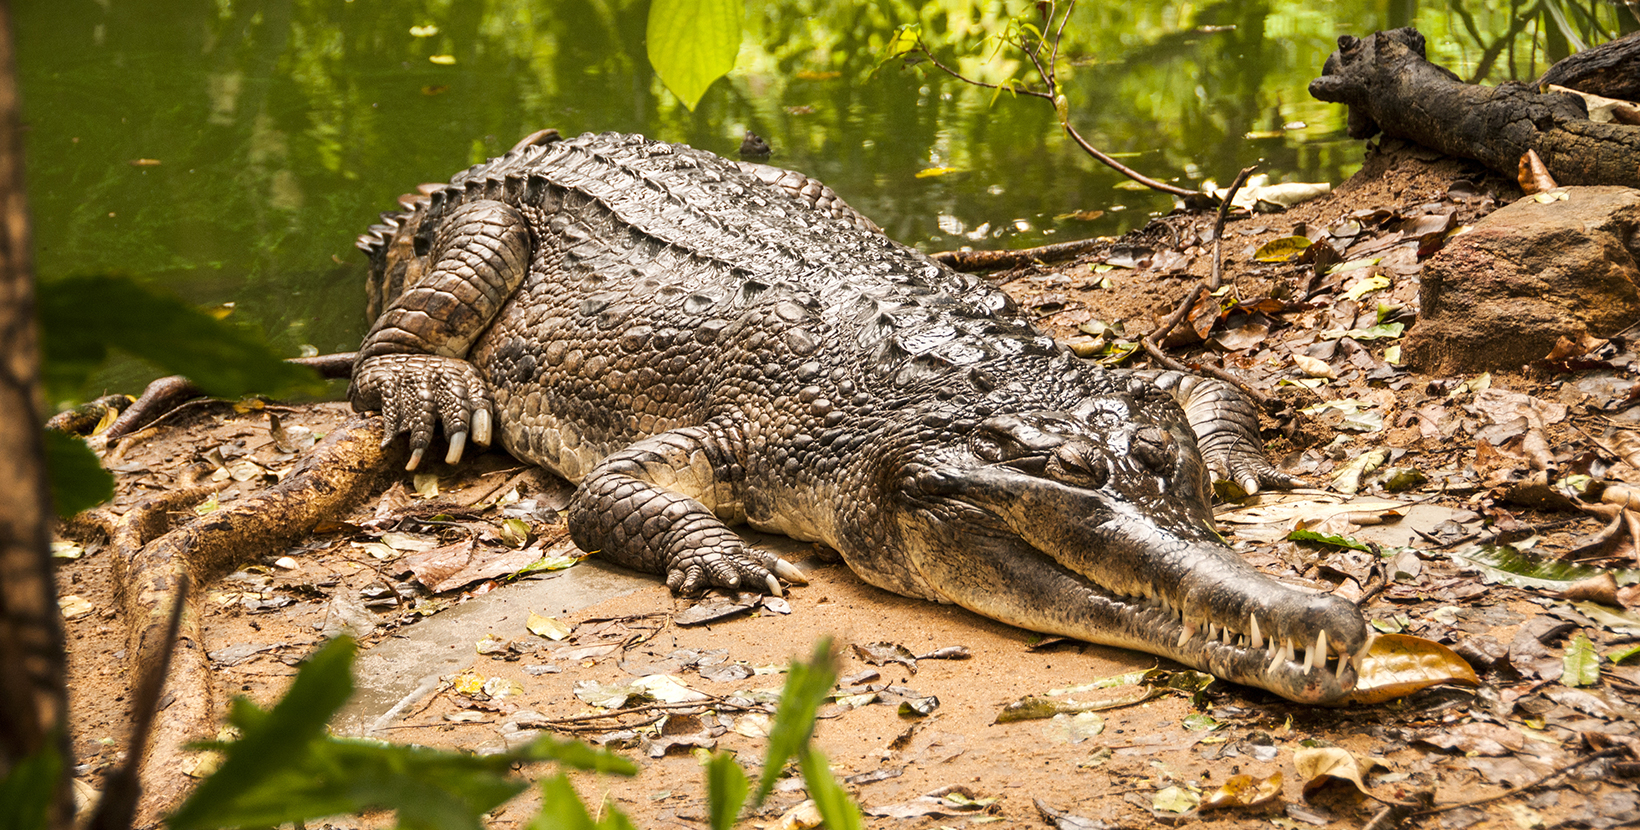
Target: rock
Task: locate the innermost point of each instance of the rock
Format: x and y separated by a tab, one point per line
1500	295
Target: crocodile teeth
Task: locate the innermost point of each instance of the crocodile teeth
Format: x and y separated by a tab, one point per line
1343	663
1321	645
1188	632
1287	650
1258	639
1275	660
1309	659
1212	631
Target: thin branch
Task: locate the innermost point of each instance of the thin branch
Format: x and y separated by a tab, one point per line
998	260
1611	752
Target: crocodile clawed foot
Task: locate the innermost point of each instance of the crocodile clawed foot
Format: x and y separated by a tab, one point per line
416	392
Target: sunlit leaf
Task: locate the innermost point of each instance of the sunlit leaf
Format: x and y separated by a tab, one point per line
1353	264
442	60
1509	566
1327	538
1397	665
1243	791
549	627
1319	766
930	172
78	480
1175	799
1580	665
1281	249
83	318
1367	286
693	43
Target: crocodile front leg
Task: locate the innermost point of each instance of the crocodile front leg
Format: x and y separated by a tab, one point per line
663	505
1226	427
413	364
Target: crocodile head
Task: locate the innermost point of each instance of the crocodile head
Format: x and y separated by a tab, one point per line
1095	523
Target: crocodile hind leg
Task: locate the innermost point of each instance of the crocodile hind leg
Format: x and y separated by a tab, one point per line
663	505
413	364
1226	426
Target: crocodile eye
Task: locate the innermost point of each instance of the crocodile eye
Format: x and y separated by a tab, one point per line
987	447
1153	448
1076	463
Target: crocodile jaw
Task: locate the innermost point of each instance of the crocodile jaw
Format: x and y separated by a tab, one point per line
1064	560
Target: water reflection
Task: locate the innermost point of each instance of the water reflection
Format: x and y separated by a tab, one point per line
232	149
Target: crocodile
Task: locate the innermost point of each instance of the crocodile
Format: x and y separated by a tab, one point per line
699	343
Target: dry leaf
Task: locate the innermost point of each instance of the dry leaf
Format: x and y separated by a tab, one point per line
1534	178
1397	665
1243	791
1318	766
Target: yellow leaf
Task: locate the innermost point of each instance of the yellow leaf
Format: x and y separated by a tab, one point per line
443	60
1282	249
549	627
1314	367
1397	665
1243	791
423	31
936	171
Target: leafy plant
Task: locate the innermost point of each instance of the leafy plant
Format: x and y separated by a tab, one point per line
286	768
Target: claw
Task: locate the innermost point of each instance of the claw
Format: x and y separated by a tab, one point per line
774	586
789	572
458	442
415	458
481	426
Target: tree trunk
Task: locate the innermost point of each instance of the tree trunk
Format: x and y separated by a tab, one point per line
1611	70
33	695
1389	87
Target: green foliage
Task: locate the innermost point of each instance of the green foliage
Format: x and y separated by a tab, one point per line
693	43
26	792
83	318
725	790
807	685
78	480
1580	665
839	811
561	809
286	768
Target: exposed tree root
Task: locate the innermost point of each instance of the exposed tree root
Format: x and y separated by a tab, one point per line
153	560
166	394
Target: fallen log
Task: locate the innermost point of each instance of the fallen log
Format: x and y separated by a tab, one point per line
1611	69
1391	88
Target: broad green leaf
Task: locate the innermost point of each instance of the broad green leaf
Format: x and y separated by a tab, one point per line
725	790
1367	286
28	788
1509	566
906	39
1620	654
561	807
83	318
78	480
1326	539
832	801
807	684
1281	249
693	43
274	742
1581	665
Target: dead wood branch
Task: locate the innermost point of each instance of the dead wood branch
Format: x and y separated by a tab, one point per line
1001	260
1390	88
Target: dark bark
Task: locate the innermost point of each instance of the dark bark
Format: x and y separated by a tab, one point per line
1611	69
1390	88
999	260
33	665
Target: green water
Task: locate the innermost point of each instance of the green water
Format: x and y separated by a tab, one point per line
231	150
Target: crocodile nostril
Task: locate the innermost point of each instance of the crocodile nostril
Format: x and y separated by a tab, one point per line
1153	447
